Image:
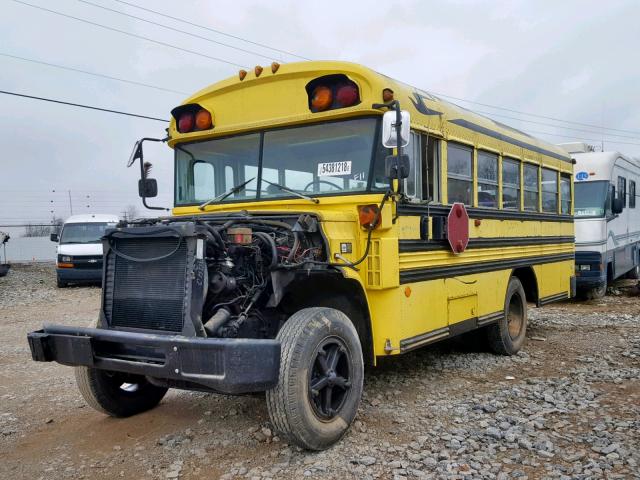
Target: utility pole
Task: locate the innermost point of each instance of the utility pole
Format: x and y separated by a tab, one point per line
70	203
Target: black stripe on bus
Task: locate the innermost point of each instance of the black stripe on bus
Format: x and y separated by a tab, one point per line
452	330
432	273
407	246
505	138
481	213
552	298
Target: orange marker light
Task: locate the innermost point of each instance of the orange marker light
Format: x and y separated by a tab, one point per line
203	120
242	74
274	67
387	95
258	70
321	98
367	216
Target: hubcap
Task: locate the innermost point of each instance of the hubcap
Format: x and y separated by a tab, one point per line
330	378
515	316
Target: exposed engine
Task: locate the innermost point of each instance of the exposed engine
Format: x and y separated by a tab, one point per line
235	270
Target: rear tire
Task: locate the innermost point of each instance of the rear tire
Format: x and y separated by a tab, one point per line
61	283
321	377
595	293
117	394
507	335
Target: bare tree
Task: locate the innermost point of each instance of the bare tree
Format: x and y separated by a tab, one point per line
130	213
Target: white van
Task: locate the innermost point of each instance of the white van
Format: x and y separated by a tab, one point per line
80	248
607	218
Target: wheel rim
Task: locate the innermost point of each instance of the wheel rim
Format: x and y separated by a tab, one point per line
330	378
515	316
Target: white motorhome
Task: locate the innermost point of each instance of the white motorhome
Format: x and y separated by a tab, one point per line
79	250
607	217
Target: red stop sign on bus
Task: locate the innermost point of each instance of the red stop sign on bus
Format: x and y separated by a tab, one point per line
458	228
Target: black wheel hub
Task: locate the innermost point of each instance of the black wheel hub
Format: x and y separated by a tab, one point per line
330	378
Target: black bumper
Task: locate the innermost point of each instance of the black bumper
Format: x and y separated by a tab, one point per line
80	274
225	365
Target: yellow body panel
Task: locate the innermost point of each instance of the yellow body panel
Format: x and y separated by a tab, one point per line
401	309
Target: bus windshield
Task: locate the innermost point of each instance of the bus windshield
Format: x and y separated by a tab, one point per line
591	198
83	232
321	159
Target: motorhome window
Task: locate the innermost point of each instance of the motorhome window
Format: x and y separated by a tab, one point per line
531	189
510	184
565	193
632	194
459	173
590	198
622	190
549	191
487	180
83	232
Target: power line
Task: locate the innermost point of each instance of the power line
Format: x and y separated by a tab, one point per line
187	22
608	140
534	114
119	12
124	32
552	125
101	75
80	105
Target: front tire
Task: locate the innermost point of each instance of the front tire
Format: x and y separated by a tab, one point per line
61	283
507	336
596	293
117	394
321	377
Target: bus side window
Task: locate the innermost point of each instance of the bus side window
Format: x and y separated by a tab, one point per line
430	169
413	184
531	187
632	194
510	184
487	179
459	173
565	193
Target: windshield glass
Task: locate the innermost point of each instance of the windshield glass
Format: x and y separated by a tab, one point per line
591	198
323	159
83	232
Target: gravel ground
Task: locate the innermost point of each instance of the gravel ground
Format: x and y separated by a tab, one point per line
567	407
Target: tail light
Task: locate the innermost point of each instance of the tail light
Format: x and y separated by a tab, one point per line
185	122
331	92
203	120
322	98
191	118
369	216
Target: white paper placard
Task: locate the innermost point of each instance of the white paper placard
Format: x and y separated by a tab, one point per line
334	169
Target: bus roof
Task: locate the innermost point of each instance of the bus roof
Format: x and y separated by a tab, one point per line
279	98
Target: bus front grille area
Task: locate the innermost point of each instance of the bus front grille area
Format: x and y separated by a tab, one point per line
147	279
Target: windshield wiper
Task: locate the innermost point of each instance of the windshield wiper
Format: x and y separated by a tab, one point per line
288	190
231	191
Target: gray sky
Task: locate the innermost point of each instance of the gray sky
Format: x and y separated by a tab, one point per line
573	60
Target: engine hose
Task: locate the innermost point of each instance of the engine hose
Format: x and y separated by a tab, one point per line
294	249
219	319
144	260
216	235
271	242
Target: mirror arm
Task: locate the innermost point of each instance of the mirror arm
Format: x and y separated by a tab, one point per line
142	174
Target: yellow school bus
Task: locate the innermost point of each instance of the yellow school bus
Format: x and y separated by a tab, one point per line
325	216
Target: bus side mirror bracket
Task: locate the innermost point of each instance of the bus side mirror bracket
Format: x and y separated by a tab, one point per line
147	187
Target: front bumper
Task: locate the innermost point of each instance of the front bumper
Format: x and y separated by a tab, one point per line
225	365
80	274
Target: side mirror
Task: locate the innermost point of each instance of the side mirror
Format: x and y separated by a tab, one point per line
147	188
397	166
136	153
54	237
390	130
617	206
